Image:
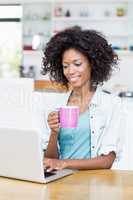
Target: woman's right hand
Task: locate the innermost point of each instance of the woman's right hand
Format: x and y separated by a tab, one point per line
53	121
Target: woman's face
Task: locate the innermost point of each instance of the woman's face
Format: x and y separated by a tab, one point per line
76	68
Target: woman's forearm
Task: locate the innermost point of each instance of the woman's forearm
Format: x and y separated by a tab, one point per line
100	162
52	149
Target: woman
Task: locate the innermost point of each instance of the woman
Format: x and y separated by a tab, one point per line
82	60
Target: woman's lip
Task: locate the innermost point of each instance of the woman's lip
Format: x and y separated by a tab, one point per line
72	79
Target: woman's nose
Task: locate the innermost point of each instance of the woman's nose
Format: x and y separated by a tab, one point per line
71	69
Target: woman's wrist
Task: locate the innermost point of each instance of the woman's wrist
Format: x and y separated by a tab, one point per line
53	132
63	164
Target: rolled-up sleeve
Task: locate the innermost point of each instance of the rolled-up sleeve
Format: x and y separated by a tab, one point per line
111	138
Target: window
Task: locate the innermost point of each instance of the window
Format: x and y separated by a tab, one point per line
10	40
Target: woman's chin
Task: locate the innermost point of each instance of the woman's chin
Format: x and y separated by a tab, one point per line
75	85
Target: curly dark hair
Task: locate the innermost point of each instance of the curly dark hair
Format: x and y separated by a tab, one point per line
90	43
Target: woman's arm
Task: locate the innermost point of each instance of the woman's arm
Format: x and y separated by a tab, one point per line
52	149
100	162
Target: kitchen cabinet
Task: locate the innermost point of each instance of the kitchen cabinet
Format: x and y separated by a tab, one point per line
47	18
109	17
36	25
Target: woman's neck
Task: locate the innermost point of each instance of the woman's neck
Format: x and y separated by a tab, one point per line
82	92
82	96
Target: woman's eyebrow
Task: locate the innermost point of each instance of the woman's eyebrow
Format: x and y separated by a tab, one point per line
75	60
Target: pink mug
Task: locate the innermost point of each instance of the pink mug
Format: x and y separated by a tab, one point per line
68	116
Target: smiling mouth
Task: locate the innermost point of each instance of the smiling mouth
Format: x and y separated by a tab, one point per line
73	79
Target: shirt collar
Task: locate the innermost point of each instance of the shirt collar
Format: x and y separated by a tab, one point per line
95	99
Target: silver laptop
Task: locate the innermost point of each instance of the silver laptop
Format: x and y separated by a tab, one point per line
16	102
21	156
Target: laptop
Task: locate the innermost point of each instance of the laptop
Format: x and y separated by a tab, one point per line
21	157
16	107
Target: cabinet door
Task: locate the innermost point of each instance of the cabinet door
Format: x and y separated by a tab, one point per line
36	25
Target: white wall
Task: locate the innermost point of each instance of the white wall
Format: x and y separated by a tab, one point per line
123	78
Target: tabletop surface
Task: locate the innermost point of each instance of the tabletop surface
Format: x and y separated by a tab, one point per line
86	185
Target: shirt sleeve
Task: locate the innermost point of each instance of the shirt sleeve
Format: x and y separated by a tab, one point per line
46	132
111	139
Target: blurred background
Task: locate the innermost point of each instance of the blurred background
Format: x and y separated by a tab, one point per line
26	26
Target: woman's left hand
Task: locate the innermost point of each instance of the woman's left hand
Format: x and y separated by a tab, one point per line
53	164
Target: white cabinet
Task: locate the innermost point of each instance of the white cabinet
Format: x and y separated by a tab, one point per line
36	25
109	17
36	32
114	18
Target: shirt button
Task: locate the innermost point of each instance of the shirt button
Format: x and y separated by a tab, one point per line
93	147
92	132
91	117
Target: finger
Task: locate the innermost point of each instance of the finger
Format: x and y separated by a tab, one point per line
46	161
48	166
55	121
55	118
53	114
54	126
57	168
50	169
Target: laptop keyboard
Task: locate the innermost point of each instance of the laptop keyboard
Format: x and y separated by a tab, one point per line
48	174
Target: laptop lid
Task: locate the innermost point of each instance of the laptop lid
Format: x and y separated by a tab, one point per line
21	156
16	102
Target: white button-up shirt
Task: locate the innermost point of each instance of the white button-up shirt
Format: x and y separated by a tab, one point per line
105	120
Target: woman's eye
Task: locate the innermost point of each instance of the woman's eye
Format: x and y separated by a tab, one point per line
77	64
65	66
